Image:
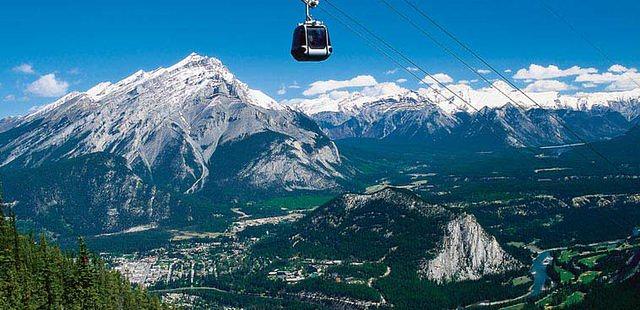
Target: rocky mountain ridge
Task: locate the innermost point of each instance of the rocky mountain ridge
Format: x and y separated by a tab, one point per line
428	115
168	123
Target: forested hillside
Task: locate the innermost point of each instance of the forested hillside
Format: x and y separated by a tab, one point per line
36	275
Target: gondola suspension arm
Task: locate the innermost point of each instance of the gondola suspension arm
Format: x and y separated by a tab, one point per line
310	4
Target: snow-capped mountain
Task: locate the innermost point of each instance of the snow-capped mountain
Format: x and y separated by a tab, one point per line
170	124
539	127
387	111
475	99
408	116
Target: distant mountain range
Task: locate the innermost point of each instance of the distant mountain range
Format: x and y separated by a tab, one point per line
395	113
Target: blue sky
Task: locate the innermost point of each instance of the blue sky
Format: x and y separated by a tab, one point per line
51	47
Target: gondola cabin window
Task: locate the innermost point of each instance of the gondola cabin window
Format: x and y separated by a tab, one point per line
317	37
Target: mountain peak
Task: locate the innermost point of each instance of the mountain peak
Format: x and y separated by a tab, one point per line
197	60
195	55
192	74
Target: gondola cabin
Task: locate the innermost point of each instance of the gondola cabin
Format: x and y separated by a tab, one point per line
311	42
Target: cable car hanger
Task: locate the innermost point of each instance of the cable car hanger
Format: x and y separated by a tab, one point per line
311	40
309	4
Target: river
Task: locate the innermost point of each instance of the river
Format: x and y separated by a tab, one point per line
539	271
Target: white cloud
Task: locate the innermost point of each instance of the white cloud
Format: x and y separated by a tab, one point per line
24	69
625	84
282	90
508	71
400	81
442	77
338	94
589	85
602	78
621	69
626	79
392	71
74	71
294	85
413	69
537	72
547	86
382	89
48	86
9	98
483	71
321	87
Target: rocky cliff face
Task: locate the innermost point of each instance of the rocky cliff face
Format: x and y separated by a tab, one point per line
467	252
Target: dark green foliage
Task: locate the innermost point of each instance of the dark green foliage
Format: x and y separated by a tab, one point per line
213	299
379	225
613	296
623	149
73	197
335	289
35	275
129	243
467	176
364	271
546	220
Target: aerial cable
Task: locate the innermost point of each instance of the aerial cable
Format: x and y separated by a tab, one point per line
525	147
407	59
582	35
465	63
381	51
452	53
508	81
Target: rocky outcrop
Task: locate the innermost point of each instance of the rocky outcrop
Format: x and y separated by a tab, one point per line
467	252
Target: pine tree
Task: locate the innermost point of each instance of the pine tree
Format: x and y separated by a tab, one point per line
35	275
